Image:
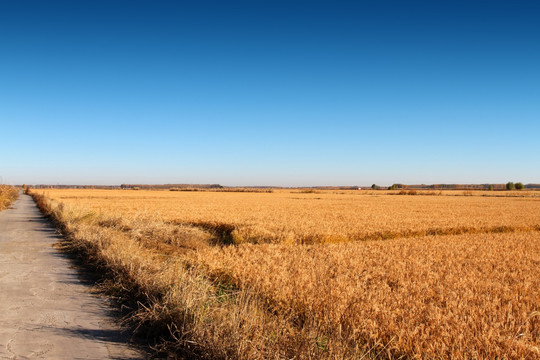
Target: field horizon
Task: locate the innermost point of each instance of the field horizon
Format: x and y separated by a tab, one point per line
183	186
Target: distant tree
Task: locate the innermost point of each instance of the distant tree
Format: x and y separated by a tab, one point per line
374	187
393	187
510	186
519	186
490	187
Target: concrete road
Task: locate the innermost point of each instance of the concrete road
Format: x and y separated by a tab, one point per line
46	311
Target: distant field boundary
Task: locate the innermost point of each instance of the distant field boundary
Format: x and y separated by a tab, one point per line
218	187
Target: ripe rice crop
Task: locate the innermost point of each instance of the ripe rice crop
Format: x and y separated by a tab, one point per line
295	217
464	296
296	284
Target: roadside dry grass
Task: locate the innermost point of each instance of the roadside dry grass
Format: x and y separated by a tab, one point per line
8	194
473	295
144	259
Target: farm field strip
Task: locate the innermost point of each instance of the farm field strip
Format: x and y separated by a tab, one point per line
292	217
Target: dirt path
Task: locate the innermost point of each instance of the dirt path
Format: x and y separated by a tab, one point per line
45	310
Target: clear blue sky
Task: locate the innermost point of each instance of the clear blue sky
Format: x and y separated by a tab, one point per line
269	92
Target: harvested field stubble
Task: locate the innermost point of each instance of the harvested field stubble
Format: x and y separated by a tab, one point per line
473	295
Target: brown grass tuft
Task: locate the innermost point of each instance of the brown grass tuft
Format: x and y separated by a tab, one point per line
8	194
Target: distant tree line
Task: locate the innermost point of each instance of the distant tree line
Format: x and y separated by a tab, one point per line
508	186
170	186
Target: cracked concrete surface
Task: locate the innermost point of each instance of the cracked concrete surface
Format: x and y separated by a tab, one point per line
46	312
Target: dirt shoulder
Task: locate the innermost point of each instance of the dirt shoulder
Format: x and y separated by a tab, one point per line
47	312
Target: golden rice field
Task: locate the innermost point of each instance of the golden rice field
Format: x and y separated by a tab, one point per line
327	275
464	296
295	217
